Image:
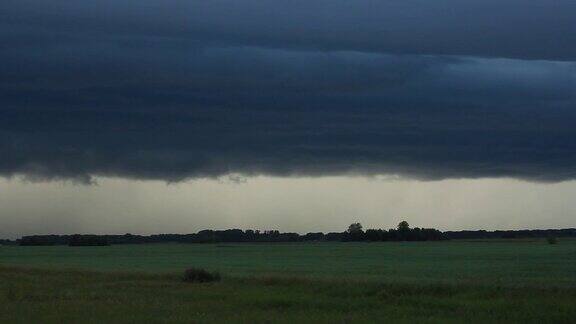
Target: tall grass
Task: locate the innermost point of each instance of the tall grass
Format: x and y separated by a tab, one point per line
509	262
52	296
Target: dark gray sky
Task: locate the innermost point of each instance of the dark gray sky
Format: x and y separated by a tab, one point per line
184	90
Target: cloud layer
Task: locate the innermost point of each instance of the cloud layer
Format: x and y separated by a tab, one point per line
538	29
178	89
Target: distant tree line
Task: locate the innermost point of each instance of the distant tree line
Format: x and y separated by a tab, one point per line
354	233
87	240
402	233
481	234
71	240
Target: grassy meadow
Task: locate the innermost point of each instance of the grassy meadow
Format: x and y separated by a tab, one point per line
426	282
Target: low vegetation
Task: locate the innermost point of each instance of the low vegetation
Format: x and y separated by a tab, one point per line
552	240
51	296
479	281
517	262
200	275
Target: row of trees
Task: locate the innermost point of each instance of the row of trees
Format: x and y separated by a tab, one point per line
481	234
402	233
354	233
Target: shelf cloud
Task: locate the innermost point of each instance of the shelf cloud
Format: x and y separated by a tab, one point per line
174	90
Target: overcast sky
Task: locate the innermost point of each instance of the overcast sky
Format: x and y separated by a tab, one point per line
166	98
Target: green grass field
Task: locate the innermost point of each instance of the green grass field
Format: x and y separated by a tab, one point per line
428	282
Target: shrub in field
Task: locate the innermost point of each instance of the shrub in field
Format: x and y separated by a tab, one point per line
11	294
552	240
200	275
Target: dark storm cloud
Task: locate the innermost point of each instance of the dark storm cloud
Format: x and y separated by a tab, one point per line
174	90
535	29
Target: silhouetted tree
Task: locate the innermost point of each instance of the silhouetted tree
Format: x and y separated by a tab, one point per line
403	226
403	232
355	228
355	233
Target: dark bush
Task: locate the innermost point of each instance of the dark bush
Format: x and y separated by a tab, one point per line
200	275
552	240
11	295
